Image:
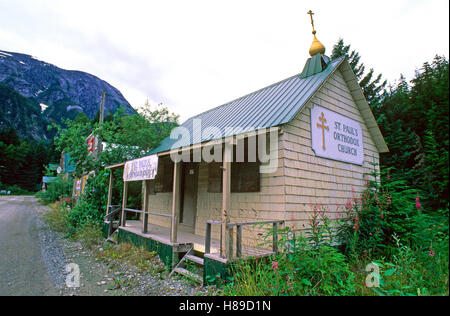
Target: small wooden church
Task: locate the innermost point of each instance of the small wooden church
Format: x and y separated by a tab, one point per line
319	140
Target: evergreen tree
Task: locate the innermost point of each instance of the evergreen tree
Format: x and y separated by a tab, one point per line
372	86
415	123
414	120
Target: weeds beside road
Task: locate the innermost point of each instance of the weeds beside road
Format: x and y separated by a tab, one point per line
116	269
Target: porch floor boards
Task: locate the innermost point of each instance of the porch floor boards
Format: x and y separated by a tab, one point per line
162	234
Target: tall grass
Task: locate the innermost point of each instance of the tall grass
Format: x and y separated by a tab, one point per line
310	264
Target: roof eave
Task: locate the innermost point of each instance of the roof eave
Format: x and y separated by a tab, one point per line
363	106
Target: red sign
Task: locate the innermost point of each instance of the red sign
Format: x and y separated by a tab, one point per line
91	144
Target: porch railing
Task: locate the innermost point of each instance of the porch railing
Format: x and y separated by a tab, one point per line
113	212
230	236
144	230
147	213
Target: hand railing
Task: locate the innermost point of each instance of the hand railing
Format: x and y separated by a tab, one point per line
113	211
145	219
147	213
230	232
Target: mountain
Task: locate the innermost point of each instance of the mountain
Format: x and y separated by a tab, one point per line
21	113
49	94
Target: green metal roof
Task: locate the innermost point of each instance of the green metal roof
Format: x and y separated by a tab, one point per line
314	65
48	179
272	106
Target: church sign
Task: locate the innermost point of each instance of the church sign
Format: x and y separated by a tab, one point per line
141	169
336	137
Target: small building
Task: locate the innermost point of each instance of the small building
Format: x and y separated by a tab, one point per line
265	160
67	166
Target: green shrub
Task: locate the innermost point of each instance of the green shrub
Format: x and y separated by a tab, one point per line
14	189
90	208
414	272
56	190
307	265
369	222
429	228
57	217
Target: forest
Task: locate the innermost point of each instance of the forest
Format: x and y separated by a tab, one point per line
23	162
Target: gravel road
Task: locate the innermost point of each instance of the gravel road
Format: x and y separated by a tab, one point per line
23	270
33	259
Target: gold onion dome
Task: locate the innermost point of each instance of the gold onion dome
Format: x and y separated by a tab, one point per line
316	47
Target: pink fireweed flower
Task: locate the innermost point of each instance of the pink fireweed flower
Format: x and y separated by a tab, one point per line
275	265
348	205
388	201
418	205
356	226
431	253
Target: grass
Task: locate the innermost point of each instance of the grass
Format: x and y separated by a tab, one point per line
125	253
306	271
57	217
408	272
90	235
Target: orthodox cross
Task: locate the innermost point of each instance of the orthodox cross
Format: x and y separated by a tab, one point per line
323	127
312	21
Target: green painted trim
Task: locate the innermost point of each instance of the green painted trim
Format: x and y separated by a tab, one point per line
215	272
165	252
105	229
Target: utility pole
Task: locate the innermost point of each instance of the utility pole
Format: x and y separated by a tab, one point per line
102	107
101	119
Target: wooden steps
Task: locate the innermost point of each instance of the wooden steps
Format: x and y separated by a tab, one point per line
189	274
188	264
195	259
111	238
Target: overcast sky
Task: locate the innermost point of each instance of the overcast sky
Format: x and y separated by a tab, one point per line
194	55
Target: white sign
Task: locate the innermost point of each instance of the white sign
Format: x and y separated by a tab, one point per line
141	169
336	137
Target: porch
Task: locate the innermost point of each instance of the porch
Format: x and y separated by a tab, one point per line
203	251
204	245
170	216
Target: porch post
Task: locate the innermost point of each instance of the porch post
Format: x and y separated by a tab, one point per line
124	203
175	201
146	184
109	191
226	198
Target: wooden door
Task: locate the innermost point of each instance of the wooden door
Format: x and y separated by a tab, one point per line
189	196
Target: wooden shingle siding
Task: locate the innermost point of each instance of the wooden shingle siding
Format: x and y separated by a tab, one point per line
312	180
301	182
269	203
160	203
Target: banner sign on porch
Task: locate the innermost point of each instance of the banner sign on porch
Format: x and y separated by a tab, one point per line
336	137
141	169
